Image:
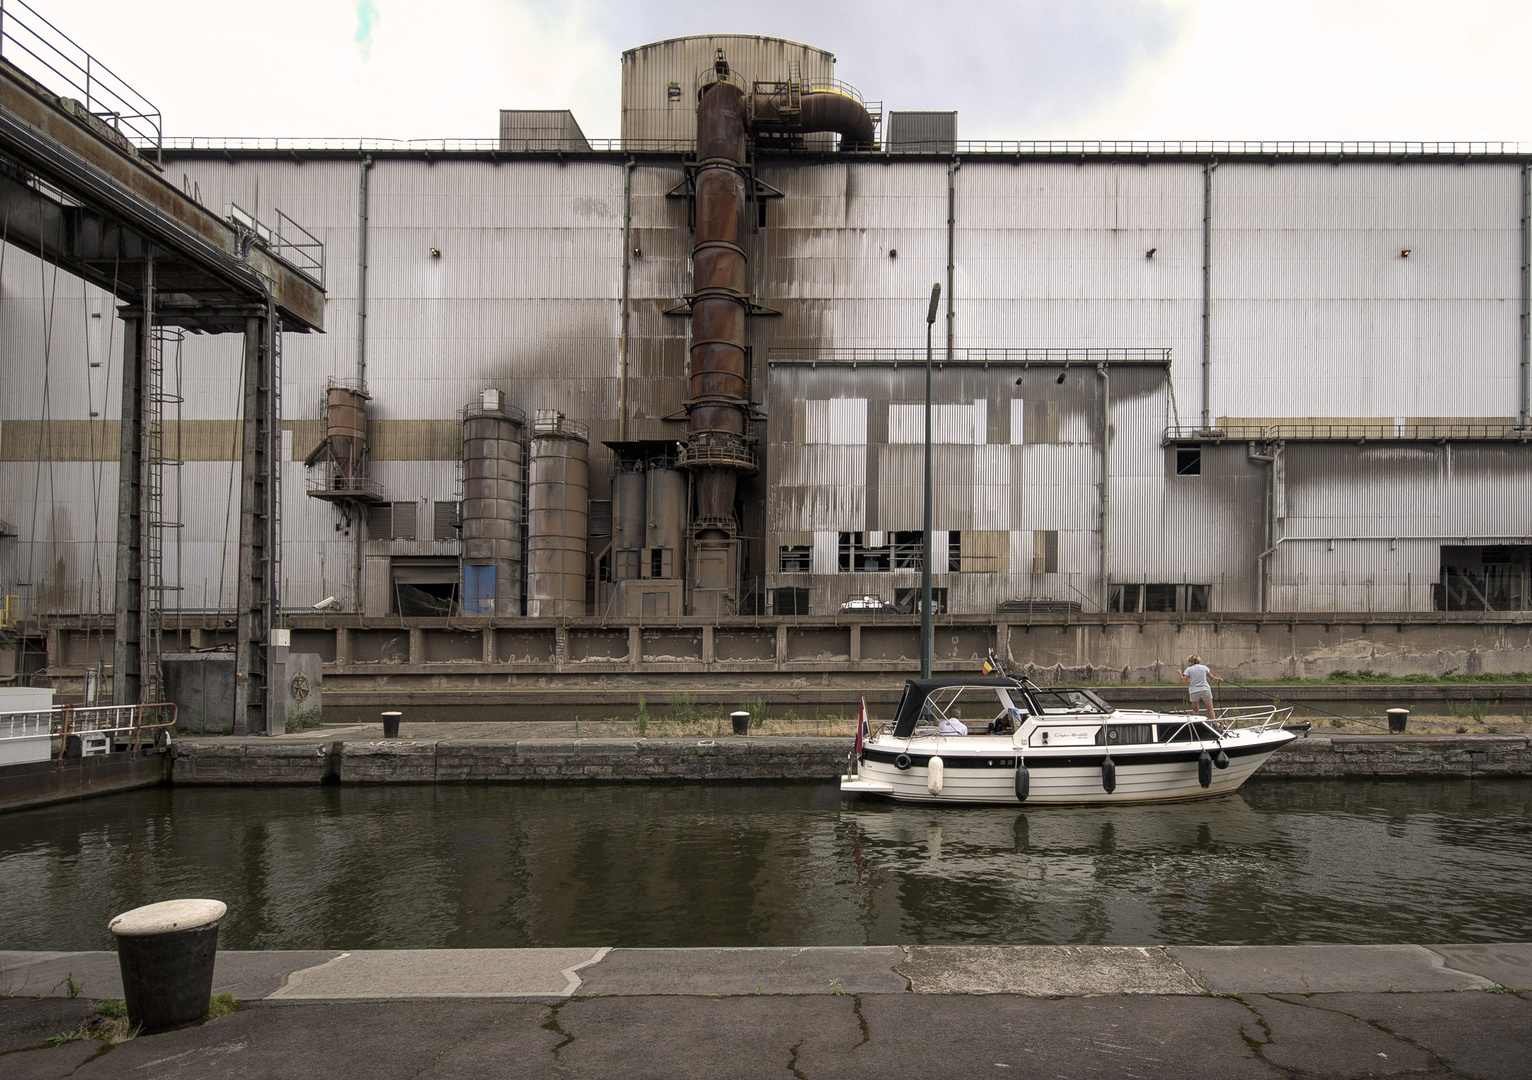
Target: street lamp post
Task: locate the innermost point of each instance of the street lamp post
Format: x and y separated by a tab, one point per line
925	558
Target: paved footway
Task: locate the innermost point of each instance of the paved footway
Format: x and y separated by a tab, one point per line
1055	1011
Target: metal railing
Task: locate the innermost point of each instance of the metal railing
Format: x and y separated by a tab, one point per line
1499	431
42	50
289	241
127	724
978	147
334	483
1020	357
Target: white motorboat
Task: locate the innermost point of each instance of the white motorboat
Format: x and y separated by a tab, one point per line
1037	745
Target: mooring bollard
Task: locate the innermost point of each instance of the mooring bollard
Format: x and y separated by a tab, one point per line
166	953
1397	719
741	722
391	724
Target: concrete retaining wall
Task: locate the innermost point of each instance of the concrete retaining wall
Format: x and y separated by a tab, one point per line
233	761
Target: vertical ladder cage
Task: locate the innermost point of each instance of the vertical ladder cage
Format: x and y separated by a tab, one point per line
159	456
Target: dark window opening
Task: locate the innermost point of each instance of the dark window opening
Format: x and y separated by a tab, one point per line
1136	599
447	521
1188	459
855	557
656	562
907	601
909	550
1494	578
795	558
790	601
954	552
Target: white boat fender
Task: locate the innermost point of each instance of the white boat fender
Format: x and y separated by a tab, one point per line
1108	774
1222	760
1023	781
934	776
1205	768
902	762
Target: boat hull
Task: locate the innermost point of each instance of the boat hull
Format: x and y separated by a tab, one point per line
1063	779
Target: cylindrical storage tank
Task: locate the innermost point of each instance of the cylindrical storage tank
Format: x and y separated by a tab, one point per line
346	425
494	486
667	512
659	81
558	487
629	524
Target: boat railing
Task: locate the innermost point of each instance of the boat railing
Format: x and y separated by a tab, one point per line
135	725
1255	718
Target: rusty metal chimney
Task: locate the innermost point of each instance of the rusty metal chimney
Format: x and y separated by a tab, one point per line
717	446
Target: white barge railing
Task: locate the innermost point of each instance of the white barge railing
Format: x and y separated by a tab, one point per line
106	726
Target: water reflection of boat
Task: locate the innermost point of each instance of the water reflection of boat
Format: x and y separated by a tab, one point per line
1053	746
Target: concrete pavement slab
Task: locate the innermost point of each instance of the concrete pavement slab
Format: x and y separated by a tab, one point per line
1487	1036
858	970
1043	970
1146	1037
46	974
1291	1034
1506	964
1304	969
388	974
246	975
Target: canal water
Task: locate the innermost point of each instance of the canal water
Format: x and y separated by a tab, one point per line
1281	862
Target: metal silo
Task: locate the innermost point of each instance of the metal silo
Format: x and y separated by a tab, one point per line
558	485
665	536
494	479
346	428
629	522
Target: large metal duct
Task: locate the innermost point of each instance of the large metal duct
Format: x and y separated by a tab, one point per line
812	111
494	484
558	487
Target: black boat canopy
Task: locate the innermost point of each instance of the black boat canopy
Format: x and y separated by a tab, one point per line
917	690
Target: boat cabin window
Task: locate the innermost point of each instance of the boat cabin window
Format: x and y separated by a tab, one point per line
1187	732
1127	734
1055	701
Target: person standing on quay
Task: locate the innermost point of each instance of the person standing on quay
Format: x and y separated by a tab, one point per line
1197	674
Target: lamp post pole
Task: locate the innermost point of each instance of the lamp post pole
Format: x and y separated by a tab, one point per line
925	558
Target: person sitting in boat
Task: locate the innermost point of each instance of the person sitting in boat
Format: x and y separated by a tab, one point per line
951	725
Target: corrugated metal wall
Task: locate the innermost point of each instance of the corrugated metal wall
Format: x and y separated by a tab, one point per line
1315	313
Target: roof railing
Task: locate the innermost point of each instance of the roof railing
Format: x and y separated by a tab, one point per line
43	51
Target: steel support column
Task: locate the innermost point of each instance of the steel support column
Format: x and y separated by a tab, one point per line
129	615
254	593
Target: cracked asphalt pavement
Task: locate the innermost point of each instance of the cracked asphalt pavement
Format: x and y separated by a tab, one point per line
1458	1034
1223	1013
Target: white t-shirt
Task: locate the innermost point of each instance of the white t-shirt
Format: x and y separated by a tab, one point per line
1198	674
949	726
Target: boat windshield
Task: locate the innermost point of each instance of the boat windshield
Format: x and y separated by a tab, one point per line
1059	700
973	705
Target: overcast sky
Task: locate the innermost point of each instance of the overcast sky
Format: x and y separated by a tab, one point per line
1024	69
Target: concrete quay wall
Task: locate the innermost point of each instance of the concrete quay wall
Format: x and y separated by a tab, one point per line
252	761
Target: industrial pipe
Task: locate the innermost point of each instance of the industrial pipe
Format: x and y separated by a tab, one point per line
818	111
716	446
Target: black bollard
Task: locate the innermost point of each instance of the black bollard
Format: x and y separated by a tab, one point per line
1397	719
391	724
741	721
166	953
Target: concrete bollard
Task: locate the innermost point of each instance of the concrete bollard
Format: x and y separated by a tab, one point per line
391	724
741	721
1397	719
166	953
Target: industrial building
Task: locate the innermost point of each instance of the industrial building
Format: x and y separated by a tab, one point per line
655	381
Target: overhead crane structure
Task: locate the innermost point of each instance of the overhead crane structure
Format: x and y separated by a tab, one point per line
78	194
